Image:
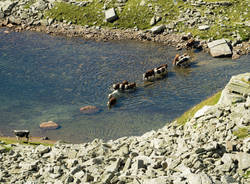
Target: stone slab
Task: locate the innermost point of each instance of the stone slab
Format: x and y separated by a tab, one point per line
110	15
219	48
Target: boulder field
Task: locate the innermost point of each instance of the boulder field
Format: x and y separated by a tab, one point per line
213	147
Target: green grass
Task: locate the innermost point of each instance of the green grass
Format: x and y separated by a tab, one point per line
29	3
11	141
89	15
191	112
131	14
242	132
227	20
247	174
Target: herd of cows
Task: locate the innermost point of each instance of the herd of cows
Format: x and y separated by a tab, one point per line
160	72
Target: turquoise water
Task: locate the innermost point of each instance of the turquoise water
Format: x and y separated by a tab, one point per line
45	78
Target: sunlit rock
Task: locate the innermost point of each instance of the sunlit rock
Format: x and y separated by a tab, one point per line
89	109
50	125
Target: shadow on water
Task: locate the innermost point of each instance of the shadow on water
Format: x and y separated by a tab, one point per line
46	78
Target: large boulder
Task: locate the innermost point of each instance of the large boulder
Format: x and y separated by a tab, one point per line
158	29
7	6
50	125
236	90
110	15
219	48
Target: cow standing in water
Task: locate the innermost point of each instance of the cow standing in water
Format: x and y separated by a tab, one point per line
181	60
156	73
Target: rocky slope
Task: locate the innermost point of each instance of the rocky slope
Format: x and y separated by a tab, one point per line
205	150
168	22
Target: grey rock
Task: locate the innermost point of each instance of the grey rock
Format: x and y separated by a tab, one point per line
159	180
110	15
158	29
42	149
219	48
244	160
106	178
203	27
7	6
114	166
79	175
236	87
40	5
227	159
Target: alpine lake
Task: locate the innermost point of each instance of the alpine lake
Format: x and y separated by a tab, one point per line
49	78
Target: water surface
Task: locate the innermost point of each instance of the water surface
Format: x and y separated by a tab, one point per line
46	78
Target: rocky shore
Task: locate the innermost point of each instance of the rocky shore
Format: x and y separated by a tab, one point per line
213	147
33	15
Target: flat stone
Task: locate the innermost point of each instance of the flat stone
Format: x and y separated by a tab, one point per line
50	125
219	48
159	180
202	111
158	29
203	27
42	149
244	160
110	15
89	109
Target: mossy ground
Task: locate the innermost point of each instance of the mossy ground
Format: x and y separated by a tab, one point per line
242	132
227	21
191	112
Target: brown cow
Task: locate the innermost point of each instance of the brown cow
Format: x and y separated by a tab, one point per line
111	102
148	74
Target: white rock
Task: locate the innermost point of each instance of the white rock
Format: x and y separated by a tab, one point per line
202	111
158	29
203	27
110	15
219	48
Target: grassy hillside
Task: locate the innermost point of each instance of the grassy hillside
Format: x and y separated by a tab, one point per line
228	21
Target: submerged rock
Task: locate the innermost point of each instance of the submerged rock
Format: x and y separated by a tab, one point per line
89	109
50	125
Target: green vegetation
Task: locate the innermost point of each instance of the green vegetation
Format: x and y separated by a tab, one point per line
29	3
247	174
14	141
242	132
225	22
132	14
191	112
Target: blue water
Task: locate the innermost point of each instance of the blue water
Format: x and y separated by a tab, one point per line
45	78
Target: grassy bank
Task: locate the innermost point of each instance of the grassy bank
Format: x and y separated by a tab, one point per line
34	142
191	112
225	21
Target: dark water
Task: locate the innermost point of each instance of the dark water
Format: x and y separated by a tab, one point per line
46	78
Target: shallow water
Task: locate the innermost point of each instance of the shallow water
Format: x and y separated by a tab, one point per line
46	78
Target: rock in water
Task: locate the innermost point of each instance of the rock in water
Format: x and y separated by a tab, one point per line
50	125
89	109
219	48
